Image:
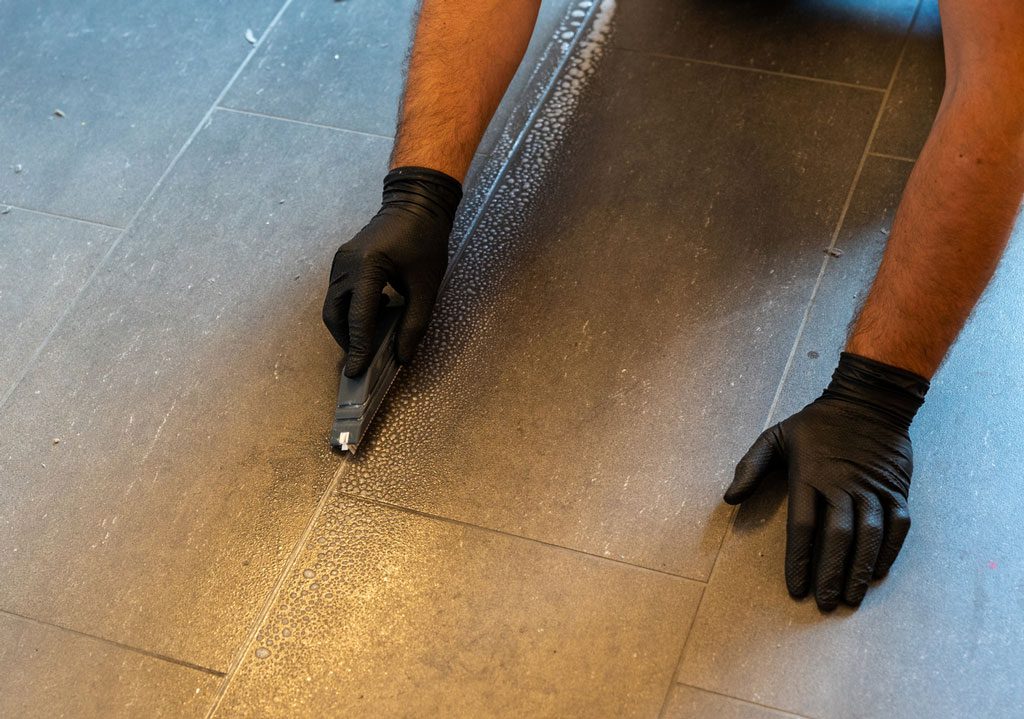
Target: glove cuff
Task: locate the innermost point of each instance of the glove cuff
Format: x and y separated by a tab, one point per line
424	192
896	392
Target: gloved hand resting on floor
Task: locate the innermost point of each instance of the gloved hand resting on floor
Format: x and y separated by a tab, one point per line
848	460
404	245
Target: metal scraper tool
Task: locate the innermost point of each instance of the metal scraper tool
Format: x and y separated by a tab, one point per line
359	397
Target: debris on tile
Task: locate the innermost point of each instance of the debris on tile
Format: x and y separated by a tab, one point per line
833	252
250	37
280	202
5	211
59	113
56	440
813	355
18	169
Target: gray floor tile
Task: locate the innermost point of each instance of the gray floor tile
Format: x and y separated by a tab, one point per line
915	96
635	317
47	672
44	261
389	614
942	635
342	64
854	41
689	703
192	388
133	80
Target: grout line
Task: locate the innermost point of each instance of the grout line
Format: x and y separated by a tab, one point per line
744	701
679	660
840	222
119	645
301	122
114	245
275	591
505	533
758	70
542	98
892	157
810	302
345	464
58	215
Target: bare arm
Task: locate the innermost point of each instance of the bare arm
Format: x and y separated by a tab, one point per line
463	57
847	455
958	209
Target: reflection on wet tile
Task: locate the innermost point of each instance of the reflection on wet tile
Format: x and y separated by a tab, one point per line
636	315
47	672
389	612
942	635
915	96
191	388
854	41
132	81
44	261
342	64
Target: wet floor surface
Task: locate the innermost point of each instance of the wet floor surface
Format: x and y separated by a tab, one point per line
534	526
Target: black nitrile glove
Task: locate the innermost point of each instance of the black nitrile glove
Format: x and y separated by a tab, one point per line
848	459
404	245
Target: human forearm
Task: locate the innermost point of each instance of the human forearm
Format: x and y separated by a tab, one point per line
463	57
958	208
949	234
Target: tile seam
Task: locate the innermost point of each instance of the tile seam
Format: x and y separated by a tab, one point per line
517	144
114	643
268	603
57	215
200	126
840	221
886	156
743	701
305	123
679	658
758	70
345	464
513	535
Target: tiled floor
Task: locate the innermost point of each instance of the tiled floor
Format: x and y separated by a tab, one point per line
534	527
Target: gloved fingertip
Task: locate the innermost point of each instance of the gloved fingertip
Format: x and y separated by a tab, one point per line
355	365
733	495
753	467
798	589
408	339
856	588
855	598
827	603
745	481
405	351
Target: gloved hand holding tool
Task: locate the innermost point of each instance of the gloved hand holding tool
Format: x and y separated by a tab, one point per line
405	245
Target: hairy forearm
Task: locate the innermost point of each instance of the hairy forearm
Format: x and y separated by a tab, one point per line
463	57
950	231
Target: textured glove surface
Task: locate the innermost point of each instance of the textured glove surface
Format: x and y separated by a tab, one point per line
848	461
404	245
